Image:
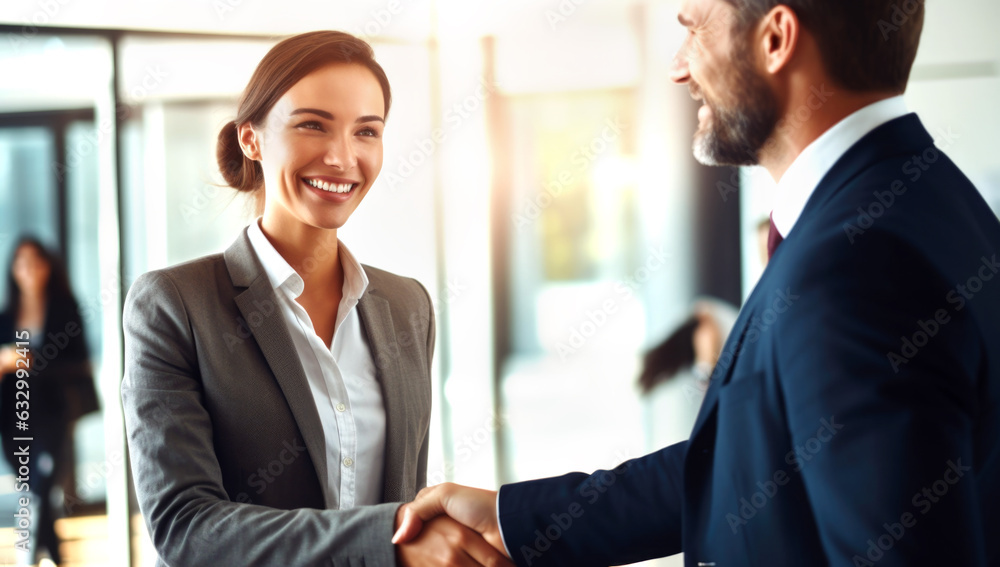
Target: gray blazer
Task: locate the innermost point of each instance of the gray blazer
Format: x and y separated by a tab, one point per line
226	445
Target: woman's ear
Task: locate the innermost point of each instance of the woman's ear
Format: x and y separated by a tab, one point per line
249	141
779	37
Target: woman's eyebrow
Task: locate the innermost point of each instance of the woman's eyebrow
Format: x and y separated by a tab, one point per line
328	116
317	112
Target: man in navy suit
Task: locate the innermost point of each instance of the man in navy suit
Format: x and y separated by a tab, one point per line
854	415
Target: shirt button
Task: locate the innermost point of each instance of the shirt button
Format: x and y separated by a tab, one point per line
348	462
341	407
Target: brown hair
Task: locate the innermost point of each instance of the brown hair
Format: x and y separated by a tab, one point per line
866	45
283	66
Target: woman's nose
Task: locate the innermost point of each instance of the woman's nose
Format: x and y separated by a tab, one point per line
340	153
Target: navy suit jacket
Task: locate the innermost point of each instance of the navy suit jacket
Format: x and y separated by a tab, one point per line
854	415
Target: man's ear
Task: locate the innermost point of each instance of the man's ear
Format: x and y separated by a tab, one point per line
249	140
778	37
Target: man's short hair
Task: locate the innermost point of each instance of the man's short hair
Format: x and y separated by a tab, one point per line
866	45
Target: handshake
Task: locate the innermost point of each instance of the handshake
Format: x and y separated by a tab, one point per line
449	524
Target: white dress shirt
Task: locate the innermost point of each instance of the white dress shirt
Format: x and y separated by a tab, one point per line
341	378
819	157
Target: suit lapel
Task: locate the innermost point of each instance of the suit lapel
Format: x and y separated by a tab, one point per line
376	320
724	368
259	303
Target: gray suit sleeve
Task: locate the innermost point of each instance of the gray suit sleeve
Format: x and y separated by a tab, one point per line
178	479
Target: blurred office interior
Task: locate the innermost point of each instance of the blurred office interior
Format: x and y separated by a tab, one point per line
538	180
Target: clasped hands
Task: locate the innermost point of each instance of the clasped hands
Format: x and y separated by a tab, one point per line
449	524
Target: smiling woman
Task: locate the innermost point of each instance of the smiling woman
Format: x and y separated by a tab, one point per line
320	143
277	396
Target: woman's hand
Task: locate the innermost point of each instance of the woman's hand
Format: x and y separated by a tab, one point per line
444	541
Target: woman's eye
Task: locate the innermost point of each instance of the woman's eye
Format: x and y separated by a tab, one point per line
371	132
311	126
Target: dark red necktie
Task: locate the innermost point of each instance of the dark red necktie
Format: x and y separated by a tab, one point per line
774	238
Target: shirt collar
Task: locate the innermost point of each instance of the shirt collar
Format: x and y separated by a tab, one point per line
355	278
283	276
819	157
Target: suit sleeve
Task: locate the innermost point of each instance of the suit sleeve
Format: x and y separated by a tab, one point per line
611	517
431	338
893	486
178	479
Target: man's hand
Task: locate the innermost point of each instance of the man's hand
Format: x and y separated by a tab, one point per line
470	507
443	541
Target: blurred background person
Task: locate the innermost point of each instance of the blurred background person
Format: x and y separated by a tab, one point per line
676	373
61	388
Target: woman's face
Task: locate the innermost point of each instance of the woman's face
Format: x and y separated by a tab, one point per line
31	270
320	147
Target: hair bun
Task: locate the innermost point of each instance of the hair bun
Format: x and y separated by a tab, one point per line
239	172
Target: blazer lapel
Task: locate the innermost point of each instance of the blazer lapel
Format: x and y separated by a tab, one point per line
724	368
376	320
259	303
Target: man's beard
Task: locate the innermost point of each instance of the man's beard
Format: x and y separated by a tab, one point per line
736	135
